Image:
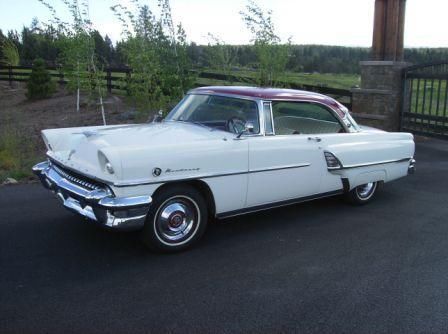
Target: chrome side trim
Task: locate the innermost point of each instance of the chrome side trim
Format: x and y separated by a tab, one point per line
375	163
278	168
367	164
207	176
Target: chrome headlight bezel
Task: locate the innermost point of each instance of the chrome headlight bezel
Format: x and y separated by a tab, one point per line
105	164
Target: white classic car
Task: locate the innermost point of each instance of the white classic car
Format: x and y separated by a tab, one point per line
222	151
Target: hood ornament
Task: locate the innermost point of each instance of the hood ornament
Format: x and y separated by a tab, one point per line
89	133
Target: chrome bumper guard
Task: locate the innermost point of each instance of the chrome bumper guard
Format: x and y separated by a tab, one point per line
98	204
411	168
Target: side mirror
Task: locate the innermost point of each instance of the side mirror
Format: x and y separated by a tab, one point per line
158	117
248	128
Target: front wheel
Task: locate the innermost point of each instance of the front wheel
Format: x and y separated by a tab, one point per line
176	220
362	194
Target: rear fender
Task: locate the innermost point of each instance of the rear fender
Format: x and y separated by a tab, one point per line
366	177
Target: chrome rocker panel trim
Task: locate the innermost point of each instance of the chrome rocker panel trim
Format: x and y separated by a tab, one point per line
279	204
99	205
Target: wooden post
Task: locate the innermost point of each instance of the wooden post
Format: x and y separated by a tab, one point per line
379	23
109	80
61	76
388	30
10	75
401	20
128	81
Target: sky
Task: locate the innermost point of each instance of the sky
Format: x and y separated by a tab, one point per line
329	22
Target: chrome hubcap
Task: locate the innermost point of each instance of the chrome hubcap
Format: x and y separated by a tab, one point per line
176	219
365	190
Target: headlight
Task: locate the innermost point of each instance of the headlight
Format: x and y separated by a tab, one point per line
105	163
109	168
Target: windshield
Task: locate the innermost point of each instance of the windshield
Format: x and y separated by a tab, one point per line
219	112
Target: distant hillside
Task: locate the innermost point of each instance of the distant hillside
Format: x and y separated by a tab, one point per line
34	43
318	58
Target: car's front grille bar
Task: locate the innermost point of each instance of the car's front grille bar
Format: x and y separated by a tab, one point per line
72	178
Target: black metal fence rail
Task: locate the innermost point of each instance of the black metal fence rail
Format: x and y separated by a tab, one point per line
425	102
116	79
22	73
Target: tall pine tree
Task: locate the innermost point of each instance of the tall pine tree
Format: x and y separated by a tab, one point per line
40	85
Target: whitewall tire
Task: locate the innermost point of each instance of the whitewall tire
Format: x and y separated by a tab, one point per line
362	194
176	220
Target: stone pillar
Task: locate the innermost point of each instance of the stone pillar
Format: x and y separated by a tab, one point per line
378	101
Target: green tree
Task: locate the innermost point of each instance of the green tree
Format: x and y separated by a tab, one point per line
156	51
9	53
40	85
78	54
272	56
221	56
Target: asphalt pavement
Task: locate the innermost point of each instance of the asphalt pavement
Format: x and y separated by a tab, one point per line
317	267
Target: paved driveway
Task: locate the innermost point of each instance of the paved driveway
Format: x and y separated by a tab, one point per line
317	267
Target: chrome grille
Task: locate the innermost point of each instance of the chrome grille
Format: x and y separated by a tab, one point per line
76	179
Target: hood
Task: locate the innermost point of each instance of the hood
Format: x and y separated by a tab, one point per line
365	128
165	133
88	149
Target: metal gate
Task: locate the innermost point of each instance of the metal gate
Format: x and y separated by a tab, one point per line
425	99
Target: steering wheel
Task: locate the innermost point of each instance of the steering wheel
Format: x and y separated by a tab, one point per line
235	124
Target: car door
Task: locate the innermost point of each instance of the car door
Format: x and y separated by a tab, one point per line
282	166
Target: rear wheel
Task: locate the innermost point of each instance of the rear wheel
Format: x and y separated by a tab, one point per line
362	194
177	219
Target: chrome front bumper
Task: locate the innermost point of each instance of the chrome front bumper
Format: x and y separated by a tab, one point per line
98	204
411	168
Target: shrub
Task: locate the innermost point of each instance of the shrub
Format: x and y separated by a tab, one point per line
40	85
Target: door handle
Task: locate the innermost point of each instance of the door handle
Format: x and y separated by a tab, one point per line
316	139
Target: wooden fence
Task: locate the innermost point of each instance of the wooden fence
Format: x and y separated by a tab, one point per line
116	78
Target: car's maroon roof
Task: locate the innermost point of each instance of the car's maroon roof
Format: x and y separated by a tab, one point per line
268	93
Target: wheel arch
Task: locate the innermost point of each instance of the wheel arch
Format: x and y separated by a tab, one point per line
356	177
199	185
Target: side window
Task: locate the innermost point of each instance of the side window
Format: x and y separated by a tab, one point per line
303	118
267	118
